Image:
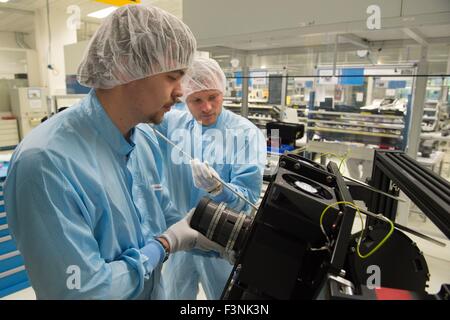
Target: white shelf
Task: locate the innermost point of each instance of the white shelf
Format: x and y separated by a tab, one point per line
360	115
249	100
361	124
260	107
258	100
362	133
259	118
253	106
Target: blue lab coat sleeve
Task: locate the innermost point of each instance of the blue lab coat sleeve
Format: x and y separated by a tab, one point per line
54	231
246	178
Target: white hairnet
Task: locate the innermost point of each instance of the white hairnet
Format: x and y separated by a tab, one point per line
133	43
204	74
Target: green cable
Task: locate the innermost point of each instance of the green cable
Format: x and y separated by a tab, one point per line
360	237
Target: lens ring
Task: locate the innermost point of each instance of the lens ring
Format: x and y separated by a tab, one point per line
235	232
215	220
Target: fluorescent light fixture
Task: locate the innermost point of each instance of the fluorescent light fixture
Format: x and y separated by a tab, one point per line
4	1
263	67
103	13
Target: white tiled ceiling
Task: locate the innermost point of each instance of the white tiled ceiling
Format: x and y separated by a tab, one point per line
36	4
436	31
15	21
380	35
395	34
175	7
275	39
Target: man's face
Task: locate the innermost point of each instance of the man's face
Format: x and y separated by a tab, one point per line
153	96
205	106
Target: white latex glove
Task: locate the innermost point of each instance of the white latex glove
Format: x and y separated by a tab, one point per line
203	177
181	237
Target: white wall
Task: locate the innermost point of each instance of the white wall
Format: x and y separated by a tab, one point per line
61	35
32	68
73	53
8	40
12	62
14	59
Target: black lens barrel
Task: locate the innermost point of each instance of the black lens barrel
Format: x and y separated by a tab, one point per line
220	224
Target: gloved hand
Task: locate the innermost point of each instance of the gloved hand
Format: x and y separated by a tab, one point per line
181	237
203	177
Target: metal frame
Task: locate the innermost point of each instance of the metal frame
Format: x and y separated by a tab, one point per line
394	170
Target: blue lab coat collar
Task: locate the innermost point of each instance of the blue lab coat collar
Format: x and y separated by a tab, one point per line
106	128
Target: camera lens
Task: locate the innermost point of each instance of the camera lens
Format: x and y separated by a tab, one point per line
221	224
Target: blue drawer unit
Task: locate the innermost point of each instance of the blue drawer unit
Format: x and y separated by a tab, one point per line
4	231
13	276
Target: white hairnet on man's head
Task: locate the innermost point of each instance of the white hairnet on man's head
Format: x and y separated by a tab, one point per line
204	74
133	43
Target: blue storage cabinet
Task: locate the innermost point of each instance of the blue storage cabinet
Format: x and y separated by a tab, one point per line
13	276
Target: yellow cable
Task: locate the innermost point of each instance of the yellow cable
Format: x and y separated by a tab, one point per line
330	153
360	237
342	158
379	244
345	157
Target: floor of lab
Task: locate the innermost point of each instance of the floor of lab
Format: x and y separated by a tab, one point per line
438	258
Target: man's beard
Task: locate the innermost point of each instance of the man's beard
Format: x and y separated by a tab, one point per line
155	119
